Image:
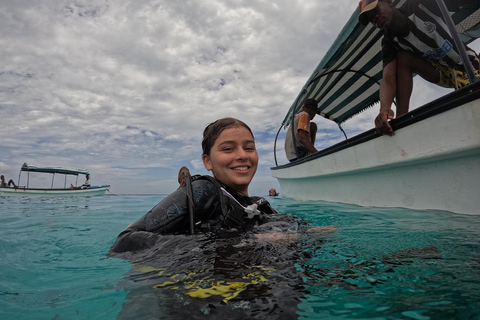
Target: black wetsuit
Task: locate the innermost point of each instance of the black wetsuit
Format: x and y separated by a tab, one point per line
222	270
216	207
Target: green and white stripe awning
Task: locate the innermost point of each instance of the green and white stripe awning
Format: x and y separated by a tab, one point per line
346	81
49	169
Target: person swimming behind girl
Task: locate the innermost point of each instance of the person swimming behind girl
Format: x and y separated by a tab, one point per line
272	192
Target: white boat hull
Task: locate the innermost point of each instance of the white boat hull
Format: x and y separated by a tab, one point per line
93	191
431	164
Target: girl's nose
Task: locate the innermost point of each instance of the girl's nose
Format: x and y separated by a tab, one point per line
241	153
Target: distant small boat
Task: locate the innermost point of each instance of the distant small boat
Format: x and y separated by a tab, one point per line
75	191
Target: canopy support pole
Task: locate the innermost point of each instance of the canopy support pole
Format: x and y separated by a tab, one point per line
341	129
458	43
275	146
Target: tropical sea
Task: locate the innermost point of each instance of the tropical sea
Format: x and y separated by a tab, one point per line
374	263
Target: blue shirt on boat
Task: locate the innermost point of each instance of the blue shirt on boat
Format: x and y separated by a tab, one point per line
428	35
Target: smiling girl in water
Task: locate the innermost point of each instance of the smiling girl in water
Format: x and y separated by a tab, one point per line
221	202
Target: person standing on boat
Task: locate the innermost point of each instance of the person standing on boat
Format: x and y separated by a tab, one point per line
417	41
305	132
3	182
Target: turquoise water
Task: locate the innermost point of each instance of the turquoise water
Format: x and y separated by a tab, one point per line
379	264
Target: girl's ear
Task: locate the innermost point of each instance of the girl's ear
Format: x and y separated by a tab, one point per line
207	162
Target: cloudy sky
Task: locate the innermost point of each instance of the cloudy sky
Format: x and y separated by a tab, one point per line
125	88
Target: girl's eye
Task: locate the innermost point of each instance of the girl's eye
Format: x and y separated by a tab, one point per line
250	147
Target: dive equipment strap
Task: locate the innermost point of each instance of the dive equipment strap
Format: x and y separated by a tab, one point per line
251	210
191	205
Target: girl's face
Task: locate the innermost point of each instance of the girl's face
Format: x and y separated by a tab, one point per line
233	159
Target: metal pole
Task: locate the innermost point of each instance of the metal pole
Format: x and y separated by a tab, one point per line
53	177
458	43
292	125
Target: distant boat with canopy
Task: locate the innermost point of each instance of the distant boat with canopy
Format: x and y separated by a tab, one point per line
65	191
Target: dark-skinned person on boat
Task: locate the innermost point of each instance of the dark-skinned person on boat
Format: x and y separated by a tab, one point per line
416	41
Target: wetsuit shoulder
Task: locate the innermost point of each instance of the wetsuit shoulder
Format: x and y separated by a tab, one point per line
169	216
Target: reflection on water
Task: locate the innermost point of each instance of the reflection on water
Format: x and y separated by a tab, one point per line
226	275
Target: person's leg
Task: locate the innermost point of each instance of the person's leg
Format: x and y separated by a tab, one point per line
10	182
407	64
313	132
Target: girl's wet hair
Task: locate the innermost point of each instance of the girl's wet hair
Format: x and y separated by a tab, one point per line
213	130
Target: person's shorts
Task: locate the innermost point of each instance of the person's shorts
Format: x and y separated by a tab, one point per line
302	153
451	78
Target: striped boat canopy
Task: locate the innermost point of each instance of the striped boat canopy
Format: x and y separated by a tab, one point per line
47	169
346	81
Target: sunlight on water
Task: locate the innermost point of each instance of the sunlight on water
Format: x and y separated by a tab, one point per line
379	264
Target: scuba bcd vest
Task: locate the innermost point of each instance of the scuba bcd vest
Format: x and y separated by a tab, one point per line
234	213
